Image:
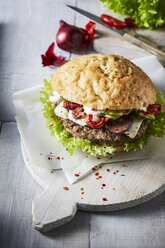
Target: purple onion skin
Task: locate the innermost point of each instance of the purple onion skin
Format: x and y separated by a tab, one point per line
119	129
70	38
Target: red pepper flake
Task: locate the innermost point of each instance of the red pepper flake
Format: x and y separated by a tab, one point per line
100	166
51	171
82	198
104	199
58	158
62	158
93	168
117	171
65	188
76	175
82	193
81	188
101	187
97	173
114	172
99	176
123	175
106	75
77	130
103	184
108	170
52	124
113	188
48	158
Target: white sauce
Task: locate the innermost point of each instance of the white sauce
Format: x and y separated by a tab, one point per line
89	111
67	114
142	108
55	97
81	122
61	111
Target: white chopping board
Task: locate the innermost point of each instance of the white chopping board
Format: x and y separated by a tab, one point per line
113	187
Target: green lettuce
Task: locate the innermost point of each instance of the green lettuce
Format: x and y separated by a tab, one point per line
156	128
71	143
147	13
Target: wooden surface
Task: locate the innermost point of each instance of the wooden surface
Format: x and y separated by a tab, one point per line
55	206
26	30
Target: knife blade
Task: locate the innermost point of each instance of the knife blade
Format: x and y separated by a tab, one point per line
128	35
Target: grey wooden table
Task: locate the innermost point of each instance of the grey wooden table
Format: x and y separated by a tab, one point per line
26	30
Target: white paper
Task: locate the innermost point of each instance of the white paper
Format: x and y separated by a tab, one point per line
38	140
43	148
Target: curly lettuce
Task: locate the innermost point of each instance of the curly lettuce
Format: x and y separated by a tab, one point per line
148	14
69	142
156	128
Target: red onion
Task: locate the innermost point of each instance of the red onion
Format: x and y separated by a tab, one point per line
74	39
78	113
120	127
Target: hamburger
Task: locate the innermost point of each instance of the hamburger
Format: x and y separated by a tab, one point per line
102	104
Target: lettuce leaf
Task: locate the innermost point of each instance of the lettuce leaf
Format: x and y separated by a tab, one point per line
71	143
148	14
156	128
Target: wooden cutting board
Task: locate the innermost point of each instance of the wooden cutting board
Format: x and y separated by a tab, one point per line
112	187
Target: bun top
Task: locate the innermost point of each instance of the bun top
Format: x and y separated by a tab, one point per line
104	81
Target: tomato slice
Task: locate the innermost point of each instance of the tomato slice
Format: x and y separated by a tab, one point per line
78	113
71	106
112	22
95	121
155	109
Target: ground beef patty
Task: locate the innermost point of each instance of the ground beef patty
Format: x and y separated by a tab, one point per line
100	135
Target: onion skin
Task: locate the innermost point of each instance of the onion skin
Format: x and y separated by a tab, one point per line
51	59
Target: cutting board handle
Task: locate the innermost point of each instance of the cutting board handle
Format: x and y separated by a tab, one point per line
53	208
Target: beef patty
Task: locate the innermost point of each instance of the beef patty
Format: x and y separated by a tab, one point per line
101	135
